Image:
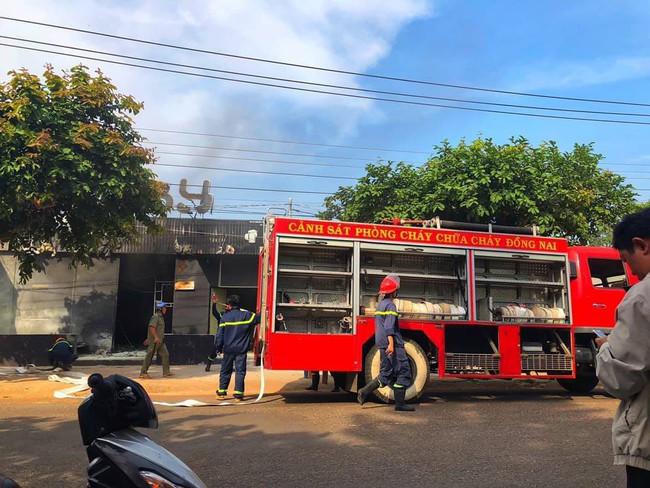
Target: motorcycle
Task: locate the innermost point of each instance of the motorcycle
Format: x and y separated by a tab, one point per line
119	455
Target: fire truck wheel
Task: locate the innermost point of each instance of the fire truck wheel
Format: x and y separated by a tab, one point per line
582	384
419	368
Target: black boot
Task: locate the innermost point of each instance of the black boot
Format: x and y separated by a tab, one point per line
208	363
363	393
400	402
315	379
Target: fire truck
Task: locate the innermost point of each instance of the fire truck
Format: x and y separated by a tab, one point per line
476	301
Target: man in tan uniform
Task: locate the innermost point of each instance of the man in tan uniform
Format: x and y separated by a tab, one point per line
156	342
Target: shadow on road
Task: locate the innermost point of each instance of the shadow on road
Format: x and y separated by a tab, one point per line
449	391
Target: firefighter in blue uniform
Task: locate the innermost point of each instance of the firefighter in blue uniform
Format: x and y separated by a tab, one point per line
395	370
61	354
233	340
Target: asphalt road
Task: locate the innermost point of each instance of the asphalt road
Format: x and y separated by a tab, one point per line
463	434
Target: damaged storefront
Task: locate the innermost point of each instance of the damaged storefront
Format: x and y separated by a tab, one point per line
107	307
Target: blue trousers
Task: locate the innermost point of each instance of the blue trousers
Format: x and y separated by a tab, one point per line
395	370
226	372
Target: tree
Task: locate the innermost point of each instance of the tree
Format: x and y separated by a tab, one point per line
72	171
564	193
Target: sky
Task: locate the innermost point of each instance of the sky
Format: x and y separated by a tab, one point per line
267	148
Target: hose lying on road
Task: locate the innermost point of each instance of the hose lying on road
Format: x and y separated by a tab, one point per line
80	381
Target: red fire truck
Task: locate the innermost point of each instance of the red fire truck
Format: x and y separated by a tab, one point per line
476	301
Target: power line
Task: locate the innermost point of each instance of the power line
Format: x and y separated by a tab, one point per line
238	170
264	203
324	92
207	156
235	158
329	70
257	151
236	211
328	85
247	199
194	146
272	190
205	134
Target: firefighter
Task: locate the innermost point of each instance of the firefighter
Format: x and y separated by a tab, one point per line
233	340
61	354
389	341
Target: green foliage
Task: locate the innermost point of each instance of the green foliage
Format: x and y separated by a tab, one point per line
72	171
564	193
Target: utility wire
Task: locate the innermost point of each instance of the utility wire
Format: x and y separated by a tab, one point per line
313	192
324	92
318	68
204	134
265	202
207	156
244	212
327	85
238	170
347	158
235	158
272	190
309	155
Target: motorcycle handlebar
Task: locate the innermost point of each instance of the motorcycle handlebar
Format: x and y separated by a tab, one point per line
101	386
95	379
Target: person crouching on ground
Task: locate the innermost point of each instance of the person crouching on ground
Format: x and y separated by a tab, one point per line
233	340
61	354
156	342
389	341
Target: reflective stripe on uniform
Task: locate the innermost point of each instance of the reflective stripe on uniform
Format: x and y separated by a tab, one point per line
398	386
238	323
57	343
237	392
387	312
222	391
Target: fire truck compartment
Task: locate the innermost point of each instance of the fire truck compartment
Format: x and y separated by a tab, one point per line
428	276
518	287
313	321
516	351
552	356
472	350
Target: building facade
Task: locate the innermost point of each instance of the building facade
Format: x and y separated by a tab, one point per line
106	307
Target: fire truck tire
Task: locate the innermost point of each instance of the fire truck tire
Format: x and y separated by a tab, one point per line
419	369
582	384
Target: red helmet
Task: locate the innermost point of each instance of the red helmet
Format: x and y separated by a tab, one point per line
389	284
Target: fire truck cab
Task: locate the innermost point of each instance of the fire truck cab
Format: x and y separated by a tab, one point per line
476	301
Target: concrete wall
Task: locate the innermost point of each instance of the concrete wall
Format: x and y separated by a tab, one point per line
8	294
78	301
